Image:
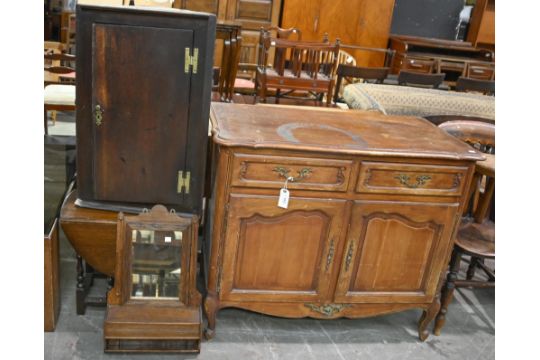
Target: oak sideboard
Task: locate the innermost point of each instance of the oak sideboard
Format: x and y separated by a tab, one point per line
374	201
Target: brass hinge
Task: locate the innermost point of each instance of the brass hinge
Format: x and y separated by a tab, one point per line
191	60
183	182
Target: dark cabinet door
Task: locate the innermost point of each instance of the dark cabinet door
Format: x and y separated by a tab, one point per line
142	133
143	98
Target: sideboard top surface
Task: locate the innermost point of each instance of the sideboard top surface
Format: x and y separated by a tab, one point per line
333	131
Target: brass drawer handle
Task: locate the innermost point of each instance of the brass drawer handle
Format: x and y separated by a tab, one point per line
98	115
349	256
302	174
420	180
330	255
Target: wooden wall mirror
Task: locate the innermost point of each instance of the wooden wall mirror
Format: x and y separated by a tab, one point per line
155	275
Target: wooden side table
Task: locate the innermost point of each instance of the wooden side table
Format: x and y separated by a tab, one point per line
92	233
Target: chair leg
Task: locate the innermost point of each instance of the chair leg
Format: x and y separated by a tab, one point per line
278	91
53	116
45	122
447	292
472	267
329	94
262	93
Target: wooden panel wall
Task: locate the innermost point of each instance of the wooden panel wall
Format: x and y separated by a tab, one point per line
355	22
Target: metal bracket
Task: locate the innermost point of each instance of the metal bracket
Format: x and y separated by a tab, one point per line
191	60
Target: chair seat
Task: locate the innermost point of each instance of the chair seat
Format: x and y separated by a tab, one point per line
289	74
477	239
59	95
243	83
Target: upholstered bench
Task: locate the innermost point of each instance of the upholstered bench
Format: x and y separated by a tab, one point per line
405	100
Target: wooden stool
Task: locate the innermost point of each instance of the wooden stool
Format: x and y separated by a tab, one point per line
476	234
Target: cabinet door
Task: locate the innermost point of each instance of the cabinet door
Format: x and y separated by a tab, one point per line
142	90
395	251
275	254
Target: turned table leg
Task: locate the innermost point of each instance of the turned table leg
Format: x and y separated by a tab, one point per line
447	292
81	291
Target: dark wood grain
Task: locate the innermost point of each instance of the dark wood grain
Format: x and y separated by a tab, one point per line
133	56
411	78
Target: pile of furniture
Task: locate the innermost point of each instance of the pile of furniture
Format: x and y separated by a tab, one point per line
297	212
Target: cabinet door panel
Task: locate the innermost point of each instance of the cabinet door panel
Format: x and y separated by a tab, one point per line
253	14
395	251
274	253
134	96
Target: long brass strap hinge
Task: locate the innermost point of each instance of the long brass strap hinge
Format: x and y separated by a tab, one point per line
192	60
183	182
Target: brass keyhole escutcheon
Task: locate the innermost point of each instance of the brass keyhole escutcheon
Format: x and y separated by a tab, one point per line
98	115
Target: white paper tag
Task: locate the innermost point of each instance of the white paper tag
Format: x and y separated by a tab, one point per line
283	201
168	239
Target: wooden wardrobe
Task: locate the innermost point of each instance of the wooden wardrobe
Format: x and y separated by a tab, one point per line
354	22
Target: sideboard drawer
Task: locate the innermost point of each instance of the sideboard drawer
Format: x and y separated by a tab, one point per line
417	179
308	173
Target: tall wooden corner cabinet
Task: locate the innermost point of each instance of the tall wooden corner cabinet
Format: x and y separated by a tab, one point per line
374	204
143	97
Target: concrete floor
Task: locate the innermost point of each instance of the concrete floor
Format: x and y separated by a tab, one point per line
469	332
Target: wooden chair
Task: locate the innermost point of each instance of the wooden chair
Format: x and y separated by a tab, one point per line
225	74
486	87
476	234
289	33
410	78
71	33
59	94
366	74
298	65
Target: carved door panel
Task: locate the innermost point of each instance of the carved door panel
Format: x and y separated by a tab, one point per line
275	254
395	251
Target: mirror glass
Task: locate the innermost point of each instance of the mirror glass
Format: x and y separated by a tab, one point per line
156	264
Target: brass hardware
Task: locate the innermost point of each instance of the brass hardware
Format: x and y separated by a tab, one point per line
183	182
420	180
98	115
191	60
330	255
327	309
457	180
195	60
349	256
340	177
303	173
